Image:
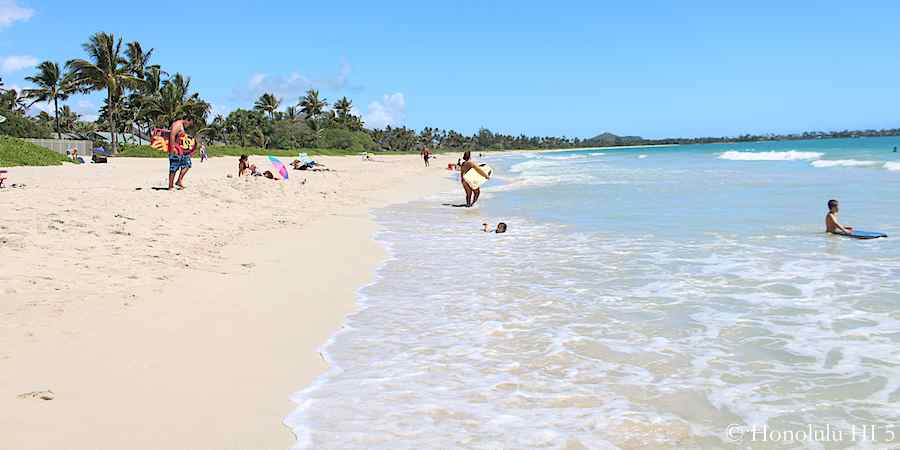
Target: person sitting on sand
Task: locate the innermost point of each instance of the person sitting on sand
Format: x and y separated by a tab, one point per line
245	168
469	164
501	228
831	221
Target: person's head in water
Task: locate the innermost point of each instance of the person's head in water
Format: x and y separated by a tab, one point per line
501	227
467	155
833	205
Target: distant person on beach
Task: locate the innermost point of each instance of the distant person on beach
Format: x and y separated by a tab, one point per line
426	154
501	228
179	157
469	164
831	220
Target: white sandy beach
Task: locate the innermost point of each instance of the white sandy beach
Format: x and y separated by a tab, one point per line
180	319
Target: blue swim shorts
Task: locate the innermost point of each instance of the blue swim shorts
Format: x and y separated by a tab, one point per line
178	162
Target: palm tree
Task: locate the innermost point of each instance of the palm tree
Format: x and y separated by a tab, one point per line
312	105
66	118
44	118
268	103
343	107
141	102
52	85
291	113
84	128
174	101
217	129
106	69
138	59
134	108
12	101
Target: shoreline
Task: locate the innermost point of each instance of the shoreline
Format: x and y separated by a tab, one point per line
209	355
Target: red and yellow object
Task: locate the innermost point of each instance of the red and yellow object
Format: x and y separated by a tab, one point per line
160	141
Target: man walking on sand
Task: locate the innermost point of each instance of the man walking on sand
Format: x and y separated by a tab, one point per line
426	154
179	157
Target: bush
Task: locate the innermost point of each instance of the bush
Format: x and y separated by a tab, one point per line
140	151
351	141
19	126
16	152
363	140
288	134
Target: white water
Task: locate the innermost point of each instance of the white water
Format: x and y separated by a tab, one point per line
634	303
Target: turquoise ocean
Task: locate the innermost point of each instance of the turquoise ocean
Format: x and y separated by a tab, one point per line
670	297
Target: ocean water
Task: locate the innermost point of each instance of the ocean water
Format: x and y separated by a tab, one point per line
642	298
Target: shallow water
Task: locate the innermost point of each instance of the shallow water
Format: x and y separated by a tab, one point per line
642	298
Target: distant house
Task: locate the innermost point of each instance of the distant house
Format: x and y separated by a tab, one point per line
122	138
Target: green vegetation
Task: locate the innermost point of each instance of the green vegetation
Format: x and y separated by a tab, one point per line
51	85
141	96
19	126
16	152
145	151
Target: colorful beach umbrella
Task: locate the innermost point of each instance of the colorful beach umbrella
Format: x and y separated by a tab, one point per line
278	165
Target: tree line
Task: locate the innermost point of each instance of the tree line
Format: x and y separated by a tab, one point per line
140	96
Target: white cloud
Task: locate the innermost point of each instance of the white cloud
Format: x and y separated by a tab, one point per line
15	63
87	109
11	12
290	87
391	110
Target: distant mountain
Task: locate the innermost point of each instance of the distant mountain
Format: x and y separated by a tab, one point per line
612	140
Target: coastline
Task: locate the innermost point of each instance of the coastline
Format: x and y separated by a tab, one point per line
203	350
575	149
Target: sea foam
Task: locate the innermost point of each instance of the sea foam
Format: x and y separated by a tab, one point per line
791	155
843	163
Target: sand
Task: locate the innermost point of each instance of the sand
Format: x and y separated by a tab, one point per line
180	319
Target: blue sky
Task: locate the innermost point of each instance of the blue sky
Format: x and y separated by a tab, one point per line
648	68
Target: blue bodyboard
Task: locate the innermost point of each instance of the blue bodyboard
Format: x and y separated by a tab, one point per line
860	234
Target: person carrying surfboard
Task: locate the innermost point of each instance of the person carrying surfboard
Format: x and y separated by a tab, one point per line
179	157
831	221
472	192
